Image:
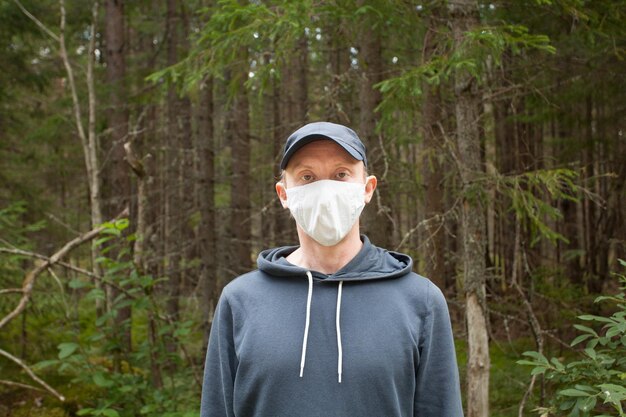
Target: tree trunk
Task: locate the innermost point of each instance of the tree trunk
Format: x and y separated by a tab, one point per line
186	190
504	131
464	14
173	244
434	245
290	112
116	178
206	191
378	218
240	187
88	140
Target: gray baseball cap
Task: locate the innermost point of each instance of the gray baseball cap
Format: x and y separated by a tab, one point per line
341	135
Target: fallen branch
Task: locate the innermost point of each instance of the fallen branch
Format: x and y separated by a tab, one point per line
19	384
11	290
32	374
46	258
31	276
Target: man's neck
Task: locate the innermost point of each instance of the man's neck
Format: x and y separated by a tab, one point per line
326	259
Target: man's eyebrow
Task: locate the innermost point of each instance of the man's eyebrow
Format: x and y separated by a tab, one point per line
300	165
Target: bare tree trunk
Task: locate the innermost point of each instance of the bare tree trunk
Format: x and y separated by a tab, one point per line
240	187
504	130
569	225
290	112
206	191
186	190
276	216
142	170
89	141
378	218
434	247
464	14
173	244
116	179
300	83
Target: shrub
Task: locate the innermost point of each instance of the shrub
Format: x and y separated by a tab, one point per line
594	384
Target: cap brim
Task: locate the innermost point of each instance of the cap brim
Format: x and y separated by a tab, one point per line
312	138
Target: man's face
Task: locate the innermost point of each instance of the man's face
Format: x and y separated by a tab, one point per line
324	160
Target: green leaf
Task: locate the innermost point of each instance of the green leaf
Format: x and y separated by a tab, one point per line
44	364
109	412
529	363
100	380
77	283
585	388
615	391
572	392
580	338
613	331
589	317
559	366
66	349
591	352
586	329
538	356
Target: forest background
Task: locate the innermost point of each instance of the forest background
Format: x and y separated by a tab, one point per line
139	144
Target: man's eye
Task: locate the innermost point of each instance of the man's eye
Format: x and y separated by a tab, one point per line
342	175
307	177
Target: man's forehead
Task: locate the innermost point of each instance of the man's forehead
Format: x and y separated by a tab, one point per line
321	148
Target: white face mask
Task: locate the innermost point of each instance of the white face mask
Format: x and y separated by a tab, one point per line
326	210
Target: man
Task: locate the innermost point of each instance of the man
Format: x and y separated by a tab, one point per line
334	327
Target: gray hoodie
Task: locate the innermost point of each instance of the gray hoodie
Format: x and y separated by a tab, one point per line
373	339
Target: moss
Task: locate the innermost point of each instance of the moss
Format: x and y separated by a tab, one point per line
32	410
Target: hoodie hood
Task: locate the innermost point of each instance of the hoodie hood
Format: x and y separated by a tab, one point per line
371	263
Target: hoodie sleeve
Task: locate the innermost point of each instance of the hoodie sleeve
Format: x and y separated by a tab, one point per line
437	389
220	366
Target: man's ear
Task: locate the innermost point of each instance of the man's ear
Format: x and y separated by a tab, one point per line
282	194
370	186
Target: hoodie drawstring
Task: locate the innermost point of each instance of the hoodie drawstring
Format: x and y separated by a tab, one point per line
308	322
338	325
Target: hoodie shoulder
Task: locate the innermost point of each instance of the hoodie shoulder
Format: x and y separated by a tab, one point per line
243	283
421	285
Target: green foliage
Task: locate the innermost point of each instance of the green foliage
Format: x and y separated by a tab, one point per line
98	357
481	48
14	234
506	378
530	195
233	27
11	228
595	383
